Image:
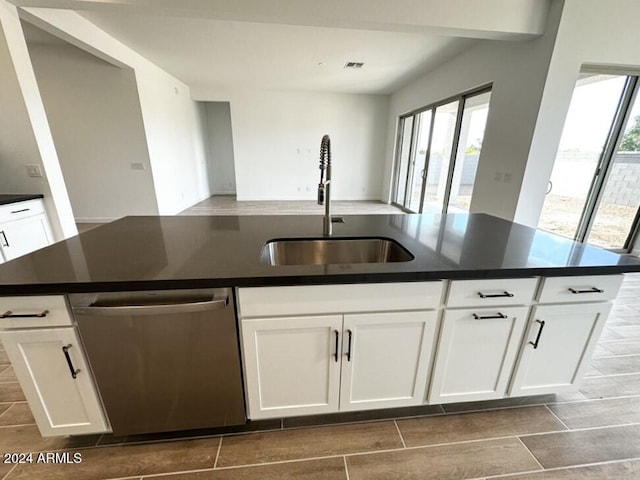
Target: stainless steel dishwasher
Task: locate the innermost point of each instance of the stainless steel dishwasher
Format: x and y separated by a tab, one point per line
163	360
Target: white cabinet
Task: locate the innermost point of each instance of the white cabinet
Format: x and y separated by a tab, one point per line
557	347
292	365
562	332
50	366
476	353
386	359
344	360
323	364
23	228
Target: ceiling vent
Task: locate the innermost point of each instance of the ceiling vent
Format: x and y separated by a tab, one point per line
353	65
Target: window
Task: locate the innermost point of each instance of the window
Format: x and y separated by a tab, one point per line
437	154
594	191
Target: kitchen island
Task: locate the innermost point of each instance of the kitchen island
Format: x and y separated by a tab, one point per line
484	308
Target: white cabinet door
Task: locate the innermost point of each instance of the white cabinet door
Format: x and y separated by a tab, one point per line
23	236
386	359
292	365
476	353
555	353
61	404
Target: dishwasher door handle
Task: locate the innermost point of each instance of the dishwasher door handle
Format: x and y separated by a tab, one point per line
118	310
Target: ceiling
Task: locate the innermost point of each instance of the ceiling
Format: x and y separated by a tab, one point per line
304	44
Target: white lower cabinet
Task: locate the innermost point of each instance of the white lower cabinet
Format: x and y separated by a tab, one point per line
386	359
294	365
557	347
476	353
24	228
43	360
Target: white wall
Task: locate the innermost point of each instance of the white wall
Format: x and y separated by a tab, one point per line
25	137
173	123
94	113
276	138
221	171
518	73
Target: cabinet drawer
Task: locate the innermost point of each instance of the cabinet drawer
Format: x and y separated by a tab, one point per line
580	289
487	293
313	299
15	211
41	311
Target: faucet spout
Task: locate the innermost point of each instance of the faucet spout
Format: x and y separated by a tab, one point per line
324	187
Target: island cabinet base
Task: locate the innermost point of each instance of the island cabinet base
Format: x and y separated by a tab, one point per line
455	341
348	359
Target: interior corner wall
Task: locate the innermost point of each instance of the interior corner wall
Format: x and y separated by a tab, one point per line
221	171
94	114
25	137
517	71
276	143
173	122
593	33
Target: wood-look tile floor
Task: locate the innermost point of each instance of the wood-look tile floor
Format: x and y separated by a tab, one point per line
590	433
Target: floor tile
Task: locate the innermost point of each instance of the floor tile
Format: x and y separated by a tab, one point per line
447	462
11	392
514	402
4	359
28	439
598	413
627	331
623	347
366	415
127	461
4	407
608	334
586	446
250	426
608	387
308	443
629	470
324	469
617	365
5	468
479	425
592	372
602	351
8	375
18	414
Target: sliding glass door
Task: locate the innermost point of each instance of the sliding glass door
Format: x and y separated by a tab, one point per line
438	152
594	191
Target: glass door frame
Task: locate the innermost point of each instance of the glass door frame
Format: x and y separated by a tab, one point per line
605	166
461	97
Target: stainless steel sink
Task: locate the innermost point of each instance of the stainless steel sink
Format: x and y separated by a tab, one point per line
327	251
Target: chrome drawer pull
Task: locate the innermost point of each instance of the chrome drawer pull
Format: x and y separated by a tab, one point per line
590	290
74	371
10	314
486	317
495	295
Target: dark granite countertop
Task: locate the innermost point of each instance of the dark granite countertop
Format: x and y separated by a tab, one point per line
202	251
7	198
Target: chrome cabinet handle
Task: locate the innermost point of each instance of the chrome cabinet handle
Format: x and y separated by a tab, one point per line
589	290
486	317
10	314
350	333
216	304
495	295
337	334
74	372
535	344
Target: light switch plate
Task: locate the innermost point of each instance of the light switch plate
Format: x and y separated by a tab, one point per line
34	170
137	166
